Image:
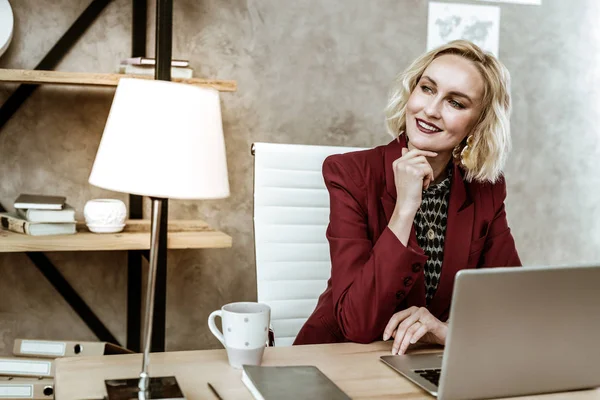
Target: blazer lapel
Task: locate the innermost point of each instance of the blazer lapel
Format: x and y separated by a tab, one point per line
391	153
457	242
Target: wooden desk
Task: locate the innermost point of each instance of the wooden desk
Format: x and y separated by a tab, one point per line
354	367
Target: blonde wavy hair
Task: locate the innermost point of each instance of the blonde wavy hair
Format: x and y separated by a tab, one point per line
491	134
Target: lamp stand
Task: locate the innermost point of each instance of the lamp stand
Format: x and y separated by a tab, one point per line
146	388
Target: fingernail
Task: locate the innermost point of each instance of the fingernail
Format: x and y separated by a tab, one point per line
385	337
412	341
394	351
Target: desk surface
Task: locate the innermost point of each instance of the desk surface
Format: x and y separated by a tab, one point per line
355	368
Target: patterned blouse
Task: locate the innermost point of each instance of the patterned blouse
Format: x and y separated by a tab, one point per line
430	226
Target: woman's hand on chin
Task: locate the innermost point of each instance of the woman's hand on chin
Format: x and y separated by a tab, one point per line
412	174
412	325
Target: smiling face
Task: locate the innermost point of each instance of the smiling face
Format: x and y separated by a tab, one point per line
445	104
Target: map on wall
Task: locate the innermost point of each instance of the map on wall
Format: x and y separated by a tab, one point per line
532	2
452	21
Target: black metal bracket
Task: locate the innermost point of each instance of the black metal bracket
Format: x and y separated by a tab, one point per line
164	19
134	258
62	286
53	57
164	45
45	266
8	109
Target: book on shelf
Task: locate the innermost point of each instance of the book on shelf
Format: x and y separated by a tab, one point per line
152	62
290	382
40	202
66	215
33	367
15	223
176	72
26	388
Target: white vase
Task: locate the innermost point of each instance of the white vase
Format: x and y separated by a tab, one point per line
105	215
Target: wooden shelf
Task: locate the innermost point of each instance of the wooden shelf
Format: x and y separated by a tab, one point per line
182	234
91	79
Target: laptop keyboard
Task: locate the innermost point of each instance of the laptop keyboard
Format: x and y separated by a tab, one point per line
432	375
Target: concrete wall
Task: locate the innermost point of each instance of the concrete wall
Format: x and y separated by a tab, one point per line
313	72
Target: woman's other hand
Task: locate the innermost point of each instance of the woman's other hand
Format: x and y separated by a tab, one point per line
412	325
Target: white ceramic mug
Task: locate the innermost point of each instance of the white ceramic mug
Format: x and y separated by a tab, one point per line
245	331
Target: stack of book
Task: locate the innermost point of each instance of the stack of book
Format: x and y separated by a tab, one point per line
145	66
40	215
29	373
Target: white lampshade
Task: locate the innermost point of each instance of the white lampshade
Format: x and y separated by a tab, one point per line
163	139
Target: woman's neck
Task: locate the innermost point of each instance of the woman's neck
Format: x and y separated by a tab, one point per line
439	164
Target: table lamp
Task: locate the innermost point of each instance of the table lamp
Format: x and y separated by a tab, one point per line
163	140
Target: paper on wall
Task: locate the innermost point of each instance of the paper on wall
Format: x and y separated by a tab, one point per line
530	2
452	21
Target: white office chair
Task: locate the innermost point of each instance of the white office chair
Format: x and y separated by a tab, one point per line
291	213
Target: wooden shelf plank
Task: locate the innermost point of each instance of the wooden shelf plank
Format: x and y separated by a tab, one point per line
182	235
93	79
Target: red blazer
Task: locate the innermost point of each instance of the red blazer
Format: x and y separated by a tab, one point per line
373	275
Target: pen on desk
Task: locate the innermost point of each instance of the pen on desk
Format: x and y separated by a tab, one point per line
212	389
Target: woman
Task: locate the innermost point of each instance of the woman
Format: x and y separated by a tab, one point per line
406	217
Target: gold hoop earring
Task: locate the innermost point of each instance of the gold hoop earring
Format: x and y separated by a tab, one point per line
464	154
456	153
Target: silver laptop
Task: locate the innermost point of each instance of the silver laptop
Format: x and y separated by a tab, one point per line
515	331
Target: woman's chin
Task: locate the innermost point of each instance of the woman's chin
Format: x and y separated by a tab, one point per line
422	143
427	142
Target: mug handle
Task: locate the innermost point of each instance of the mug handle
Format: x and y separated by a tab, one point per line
213	327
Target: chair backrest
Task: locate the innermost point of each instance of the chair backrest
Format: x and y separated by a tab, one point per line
291	213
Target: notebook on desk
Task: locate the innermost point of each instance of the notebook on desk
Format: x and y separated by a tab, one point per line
290	382
512	332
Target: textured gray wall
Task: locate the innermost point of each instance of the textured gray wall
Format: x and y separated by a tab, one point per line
314	72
